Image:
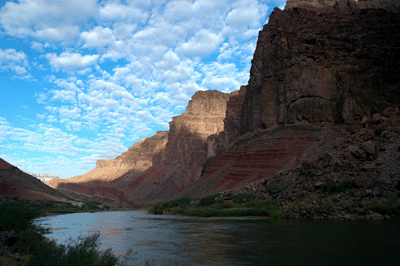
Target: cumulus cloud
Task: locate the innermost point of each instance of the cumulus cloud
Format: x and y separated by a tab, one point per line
203	43
11	60
98	37
68	60
63	95
116	11
52	20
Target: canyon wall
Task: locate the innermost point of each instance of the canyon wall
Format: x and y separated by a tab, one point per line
188	132
319	66
140	155
160	166
324	61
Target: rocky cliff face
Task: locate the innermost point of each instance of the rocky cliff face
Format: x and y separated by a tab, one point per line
216	143
343	5
140	155
333	61
188	133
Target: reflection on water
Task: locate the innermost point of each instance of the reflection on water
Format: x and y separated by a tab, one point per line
198	241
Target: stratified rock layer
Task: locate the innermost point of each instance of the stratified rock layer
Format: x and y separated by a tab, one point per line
140	155
323	64
188	133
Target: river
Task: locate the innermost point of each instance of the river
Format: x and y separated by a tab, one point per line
210	241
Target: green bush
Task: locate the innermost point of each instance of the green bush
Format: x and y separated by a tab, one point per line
16	218
346	185
275	190
181	202
338	188
156	209
208	201
227	204
238	199
383	206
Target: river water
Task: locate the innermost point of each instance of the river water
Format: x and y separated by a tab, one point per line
210	241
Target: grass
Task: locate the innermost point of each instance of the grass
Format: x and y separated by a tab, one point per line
209	207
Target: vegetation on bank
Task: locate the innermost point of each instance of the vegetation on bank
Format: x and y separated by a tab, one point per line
240	205
25	243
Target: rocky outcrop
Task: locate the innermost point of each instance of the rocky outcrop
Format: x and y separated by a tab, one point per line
216	143
342	5
140	155
317	63
188	133
349	172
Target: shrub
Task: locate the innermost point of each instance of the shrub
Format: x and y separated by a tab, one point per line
338	188
275	190
16	218
180	202
346	185
208	201
254	203
227	204
156	209
238	199
383	206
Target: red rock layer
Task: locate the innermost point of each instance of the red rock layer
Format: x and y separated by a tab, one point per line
249	160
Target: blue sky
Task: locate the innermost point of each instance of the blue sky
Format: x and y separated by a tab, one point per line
84	80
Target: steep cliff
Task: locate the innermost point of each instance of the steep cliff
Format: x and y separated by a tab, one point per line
188	132
333	61
185	152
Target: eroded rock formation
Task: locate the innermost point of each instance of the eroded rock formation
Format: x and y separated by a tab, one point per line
188	132
140	155
316	62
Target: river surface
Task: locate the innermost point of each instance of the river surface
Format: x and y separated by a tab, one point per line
210	241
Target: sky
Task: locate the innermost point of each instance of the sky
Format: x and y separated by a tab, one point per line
84	80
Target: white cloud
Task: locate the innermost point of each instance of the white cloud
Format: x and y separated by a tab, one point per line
115	11
68	60
63	95
126	67
203	43
52	20
99	37
11	60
